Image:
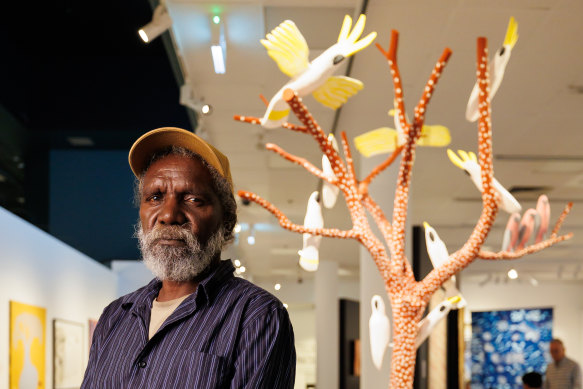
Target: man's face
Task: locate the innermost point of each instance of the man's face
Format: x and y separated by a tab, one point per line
557	351
180	216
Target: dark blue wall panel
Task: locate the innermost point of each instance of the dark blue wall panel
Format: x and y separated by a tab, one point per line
91	202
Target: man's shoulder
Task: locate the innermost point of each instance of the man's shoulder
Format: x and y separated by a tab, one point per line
250	292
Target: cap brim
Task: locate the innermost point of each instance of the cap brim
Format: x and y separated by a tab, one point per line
161	138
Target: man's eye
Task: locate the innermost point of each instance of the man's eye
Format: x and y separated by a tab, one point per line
154	197
194	200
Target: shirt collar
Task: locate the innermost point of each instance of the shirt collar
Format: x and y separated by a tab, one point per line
206	291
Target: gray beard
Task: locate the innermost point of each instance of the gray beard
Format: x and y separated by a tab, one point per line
177	263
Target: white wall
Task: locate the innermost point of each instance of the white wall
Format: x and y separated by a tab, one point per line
39	270
566	299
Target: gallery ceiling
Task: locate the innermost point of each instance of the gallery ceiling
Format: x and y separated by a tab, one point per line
536	116
94	78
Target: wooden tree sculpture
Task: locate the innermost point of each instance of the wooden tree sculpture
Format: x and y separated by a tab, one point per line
408	297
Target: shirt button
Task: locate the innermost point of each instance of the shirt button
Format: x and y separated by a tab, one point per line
142	364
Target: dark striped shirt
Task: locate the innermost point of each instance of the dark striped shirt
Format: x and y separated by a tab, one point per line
228	334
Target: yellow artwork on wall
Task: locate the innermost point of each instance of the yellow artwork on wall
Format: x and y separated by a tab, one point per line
27	346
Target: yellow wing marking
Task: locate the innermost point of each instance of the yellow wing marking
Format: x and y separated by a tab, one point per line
336	90
288	48
277	115
379	141
435	136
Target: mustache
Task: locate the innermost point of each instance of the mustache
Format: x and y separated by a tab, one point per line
160	232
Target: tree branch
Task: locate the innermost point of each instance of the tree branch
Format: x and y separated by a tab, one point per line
288	225
489	255
363	186
302	162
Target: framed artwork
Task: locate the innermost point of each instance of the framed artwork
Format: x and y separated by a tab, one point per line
27	346
68	354
507	344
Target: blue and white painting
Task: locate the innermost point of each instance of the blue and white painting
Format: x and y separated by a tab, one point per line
507	344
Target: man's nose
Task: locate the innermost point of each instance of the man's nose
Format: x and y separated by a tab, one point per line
171	212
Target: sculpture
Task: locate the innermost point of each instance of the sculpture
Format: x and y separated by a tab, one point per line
408	297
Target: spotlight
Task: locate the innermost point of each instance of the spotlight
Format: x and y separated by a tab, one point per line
237	263
237	228
161	21
512	274
242	269
251	240
277	286
188	99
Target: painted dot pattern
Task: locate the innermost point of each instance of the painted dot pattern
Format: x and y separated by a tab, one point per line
408	297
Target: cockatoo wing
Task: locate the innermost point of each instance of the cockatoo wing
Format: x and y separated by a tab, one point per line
434	136
309	255
544	210
527	227
429	322
469	163
336	90
511	232
379	141
435	247
288	48
329	191
496	68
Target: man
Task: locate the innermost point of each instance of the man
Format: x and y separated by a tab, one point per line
563	373
532	380
195	325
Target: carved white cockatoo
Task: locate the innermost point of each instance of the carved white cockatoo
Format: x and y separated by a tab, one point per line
385	139
379	328
329	191
496	68
288	48
309	254
437	314
438	255
469	163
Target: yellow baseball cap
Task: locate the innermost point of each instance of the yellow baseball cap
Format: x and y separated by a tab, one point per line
161	138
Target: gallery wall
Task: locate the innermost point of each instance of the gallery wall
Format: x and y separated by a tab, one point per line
565	298
39	270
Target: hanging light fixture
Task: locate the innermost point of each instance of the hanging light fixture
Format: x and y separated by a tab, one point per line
161	21
218	44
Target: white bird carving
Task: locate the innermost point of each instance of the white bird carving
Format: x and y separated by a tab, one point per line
378	330
288	48
496	69
438	255
429	322
329	191
309	254
469	163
